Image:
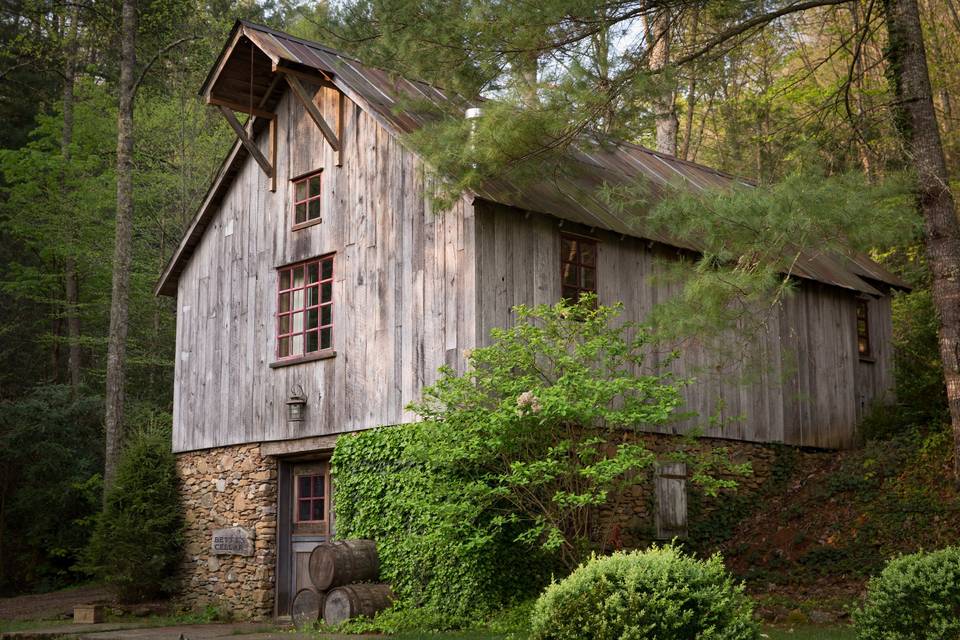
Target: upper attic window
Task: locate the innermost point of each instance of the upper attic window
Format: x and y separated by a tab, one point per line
306	200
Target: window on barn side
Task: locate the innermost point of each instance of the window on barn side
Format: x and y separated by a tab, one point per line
578	266
863	328
305	308
306	200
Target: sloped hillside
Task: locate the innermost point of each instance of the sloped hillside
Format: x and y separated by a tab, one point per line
829	521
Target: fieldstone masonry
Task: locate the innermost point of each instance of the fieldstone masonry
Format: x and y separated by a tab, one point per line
229	488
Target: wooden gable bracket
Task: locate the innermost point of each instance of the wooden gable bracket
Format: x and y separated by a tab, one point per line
332	138
251	146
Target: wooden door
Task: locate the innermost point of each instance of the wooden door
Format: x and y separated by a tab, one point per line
670	489
306	521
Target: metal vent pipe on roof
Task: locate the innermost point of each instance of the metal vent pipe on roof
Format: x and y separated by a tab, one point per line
471	115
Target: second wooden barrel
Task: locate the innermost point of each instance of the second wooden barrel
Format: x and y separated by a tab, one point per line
355	600
333	564
307	608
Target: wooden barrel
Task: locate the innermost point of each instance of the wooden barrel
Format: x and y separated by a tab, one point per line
333	564
307	608
355	600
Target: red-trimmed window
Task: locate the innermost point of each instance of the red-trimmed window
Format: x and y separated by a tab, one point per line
311	498
305	308
578	266
863	327
306	199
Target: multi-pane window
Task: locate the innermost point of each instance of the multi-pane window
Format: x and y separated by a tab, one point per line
578	266
305	308
863	327
306	199
311	498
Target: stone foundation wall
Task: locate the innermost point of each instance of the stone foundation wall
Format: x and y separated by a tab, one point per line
221	488
627	520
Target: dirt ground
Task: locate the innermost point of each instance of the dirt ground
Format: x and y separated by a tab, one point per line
50	606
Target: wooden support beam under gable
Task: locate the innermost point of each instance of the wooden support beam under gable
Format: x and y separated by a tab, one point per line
251	146
340	115
242	108
298	90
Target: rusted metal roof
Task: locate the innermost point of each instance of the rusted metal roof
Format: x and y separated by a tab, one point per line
571	195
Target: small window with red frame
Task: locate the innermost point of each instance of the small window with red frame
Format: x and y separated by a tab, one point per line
311	498
305	308
306	199
578	266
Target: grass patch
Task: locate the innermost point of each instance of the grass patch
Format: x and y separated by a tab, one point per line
809	633
27	625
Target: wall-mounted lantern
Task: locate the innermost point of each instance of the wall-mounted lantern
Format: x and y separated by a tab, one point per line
296	405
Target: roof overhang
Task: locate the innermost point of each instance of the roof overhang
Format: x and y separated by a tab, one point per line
247	77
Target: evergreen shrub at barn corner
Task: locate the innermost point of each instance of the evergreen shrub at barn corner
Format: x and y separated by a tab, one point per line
136	546
475	507
657	594
915	597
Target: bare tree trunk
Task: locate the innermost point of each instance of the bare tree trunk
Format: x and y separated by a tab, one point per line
917	124
122	253
664	105
71	278
688	119
691	89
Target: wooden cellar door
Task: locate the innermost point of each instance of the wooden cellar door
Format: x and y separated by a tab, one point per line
306	522
671	500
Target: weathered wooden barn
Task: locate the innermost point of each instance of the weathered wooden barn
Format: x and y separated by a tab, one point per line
316	278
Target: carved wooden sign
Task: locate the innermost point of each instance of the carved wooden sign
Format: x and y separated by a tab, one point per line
235	541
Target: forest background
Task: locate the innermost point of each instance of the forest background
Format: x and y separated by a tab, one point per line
806	94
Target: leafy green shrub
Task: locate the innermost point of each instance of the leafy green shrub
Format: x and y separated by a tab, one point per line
476	506
915	597
136	545
658	594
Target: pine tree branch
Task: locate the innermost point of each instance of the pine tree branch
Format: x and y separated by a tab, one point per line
752	23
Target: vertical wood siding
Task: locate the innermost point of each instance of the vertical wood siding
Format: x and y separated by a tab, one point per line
403	301
800	381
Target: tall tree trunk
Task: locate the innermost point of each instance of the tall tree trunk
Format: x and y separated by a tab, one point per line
665	109
122	252
691	88
71	277
688	118
917	124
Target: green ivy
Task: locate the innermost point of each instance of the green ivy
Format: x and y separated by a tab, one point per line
710	527
430	551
